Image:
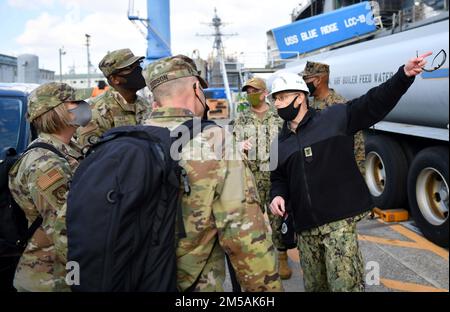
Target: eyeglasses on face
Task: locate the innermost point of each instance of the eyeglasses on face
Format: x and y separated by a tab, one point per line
282	97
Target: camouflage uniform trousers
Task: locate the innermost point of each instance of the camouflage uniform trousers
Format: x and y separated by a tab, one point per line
263	185
332	262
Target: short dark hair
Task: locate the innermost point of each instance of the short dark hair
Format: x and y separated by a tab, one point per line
101	84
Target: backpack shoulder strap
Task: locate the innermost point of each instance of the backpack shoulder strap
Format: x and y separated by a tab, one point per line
125	131
34	226
190	125
46	146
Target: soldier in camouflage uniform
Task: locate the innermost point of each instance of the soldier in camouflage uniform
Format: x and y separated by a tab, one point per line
39	184
316	75
326	273
119	105
257	127
222	213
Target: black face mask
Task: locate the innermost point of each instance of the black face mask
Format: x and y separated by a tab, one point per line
289	112
205	106
135	80
312	88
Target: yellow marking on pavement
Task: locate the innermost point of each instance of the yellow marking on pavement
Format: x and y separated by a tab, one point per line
403	286
420	241
416	241
385	241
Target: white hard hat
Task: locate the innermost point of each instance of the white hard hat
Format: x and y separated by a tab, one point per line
287	82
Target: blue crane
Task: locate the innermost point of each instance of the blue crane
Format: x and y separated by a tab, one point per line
157	25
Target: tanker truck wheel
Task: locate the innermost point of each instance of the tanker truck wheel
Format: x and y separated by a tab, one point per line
428	193
386	171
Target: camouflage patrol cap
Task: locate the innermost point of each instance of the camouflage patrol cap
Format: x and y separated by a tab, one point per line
315	68
171	68
116	60
50	95
256	83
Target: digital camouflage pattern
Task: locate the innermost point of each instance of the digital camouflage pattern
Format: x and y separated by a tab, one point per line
50	95
171	68
39	184
360	151
315	68
117	60
221	214
332	260
262	131
111	110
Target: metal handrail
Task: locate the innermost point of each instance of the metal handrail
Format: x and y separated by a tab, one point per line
273	59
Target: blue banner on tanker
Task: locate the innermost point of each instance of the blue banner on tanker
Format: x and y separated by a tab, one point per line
323	30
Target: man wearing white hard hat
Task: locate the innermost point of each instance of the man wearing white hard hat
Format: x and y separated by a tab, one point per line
317	179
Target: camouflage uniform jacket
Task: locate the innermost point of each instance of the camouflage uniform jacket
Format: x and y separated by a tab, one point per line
332	98
39	184
110	110
221	213
262	131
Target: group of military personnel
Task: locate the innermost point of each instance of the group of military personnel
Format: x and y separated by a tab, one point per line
224	214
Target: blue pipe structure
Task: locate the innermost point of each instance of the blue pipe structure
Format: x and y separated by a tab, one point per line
157	24
158	29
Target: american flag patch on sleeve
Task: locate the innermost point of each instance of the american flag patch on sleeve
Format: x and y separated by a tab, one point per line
48	179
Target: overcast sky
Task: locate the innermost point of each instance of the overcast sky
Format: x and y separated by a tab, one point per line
41	27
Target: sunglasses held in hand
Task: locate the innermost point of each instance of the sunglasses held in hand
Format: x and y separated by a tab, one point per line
437	62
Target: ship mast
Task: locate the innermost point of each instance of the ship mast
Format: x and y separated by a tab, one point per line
219	52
